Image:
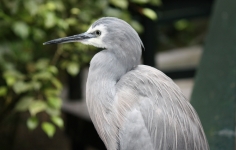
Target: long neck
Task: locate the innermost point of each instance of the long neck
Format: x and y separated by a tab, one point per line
106	68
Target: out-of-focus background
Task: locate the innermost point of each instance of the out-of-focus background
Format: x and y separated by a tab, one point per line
42	88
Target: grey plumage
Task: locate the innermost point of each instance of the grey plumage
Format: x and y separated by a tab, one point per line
132	106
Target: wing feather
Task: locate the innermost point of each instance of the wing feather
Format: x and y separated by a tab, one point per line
172	123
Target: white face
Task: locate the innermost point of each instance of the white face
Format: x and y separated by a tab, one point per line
97	41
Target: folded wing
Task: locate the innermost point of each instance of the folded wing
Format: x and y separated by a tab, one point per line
154	107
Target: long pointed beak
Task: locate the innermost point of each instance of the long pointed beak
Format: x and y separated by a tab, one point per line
74	38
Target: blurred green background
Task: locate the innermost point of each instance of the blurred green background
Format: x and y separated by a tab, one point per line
32	75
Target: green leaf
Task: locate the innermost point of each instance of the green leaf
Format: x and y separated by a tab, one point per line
21	87
10	80
36	107
137	26
140	1
52	111
149	13
31	6
51	92
50	20
73	68
71	21
53	69
62	23
13	72
181	24
32	123
11	76
38	34
41	64
58	121
48	128
113	12
60	6
51	5
21	29
24	103
75	11
120	3
156	2
85	16
56	83
42	75
54	102
3	90
35	85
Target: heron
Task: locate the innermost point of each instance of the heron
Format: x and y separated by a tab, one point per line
133	106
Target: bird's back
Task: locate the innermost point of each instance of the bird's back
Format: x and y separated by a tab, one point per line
157	115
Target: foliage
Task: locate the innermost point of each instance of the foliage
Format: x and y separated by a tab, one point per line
30	71
182	33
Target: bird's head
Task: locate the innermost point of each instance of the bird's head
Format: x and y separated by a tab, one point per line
107	32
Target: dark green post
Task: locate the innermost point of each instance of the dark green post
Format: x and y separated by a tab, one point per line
214	94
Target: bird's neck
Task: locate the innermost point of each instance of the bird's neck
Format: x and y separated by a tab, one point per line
106	69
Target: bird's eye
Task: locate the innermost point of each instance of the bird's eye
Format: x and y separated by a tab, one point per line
97	32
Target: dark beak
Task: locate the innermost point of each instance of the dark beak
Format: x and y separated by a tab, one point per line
74	38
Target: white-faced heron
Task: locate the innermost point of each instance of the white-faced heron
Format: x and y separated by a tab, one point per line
132	106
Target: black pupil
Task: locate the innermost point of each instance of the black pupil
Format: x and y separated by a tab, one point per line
98	32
